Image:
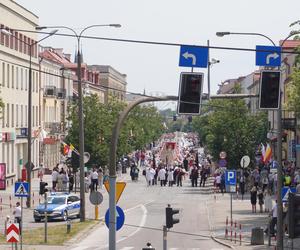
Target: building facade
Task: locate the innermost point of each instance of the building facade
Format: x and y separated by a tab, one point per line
14	80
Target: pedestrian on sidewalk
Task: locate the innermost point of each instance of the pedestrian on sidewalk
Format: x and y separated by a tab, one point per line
17	213
162	176
268	200
274	220
171	177
242	186
260	196
253	198
54	177
94	178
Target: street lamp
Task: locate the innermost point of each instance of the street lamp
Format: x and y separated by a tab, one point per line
279	139
29	135
80	110
210	64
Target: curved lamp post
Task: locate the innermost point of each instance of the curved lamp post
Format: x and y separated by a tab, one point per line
279	139
80	115
29	135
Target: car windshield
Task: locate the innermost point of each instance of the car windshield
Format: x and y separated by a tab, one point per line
57	200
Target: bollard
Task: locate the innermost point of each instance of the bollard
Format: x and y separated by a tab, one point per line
235	232
96	212
231	224
226	229
240	234
68	226
5	224
1	204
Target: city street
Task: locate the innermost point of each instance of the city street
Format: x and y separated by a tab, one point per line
145	216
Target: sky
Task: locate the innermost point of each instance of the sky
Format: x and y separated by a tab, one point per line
155	67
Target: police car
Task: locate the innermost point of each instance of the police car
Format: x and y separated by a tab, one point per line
59	206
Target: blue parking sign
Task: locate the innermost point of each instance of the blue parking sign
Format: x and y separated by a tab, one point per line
230	177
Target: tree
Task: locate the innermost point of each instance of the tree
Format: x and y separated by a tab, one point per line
142	126
228	126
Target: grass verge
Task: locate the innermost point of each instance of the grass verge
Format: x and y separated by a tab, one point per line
57	235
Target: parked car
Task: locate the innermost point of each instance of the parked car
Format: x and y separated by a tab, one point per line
59	206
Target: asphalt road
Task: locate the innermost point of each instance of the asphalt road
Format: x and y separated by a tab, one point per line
145	216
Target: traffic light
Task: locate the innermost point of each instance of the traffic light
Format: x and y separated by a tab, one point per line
190	92
269	93
294	215
170	221
43	188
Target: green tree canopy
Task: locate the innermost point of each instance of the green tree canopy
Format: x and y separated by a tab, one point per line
227	125
142	126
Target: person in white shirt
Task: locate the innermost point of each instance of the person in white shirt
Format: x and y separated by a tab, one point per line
17	213
94	178
162	176
54	178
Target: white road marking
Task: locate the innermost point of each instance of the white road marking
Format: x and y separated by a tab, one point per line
126	248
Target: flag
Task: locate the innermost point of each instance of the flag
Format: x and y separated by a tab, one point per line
263	152
268	153
72	148
66	148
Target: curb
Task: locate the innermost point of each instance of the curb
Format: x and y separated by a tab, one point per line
221	242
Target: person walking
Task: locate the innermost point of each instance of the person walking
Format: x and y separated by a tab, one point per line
71	182
203	174
253	198
54	178
268	200
273	220
162	176
17	213
242	186
100	178
171	177
194	176
260	196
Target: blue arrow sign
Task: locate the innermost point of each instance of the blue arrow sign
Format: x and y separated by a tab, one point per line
193	56
285	193
21	189
120	218
230	177
268	56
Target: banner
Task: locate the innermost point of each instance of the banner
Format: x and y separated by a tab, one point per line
2	176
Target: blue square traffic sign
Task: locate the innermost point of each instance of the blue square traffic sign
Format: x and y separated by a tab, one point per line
268	56
230	177
21	189
285	193
193	56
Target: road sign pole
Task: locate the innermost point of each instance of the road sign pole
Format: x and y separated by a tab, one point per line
21	224
231	206
165	238
46	218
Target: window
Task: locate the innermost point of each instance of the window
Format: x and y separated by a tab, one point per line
17	77
7	40
17	115
21	115
7	115
21	43
26	78
12	115
3	74
25	45
2	35
12	76
22	78
26	117
33	116
11	40
16	41
7	75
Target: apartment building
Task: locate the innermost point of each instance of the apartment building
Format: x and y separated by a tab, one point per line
56	92
14	80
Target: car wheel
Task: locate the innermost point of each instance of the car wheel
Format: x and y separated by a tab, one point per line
37	220
65	216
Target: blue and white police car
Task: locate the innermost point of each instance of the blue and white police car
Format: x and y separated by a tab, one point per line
59	206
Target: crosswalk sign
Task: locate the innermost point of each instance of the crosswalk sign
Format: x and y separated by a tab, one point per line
285	193
21	189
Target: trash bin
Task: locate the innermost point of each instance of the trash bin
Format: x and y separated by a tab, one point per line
257	236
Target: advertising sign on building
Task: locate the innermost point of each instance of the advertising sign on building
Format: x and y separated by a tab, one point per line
2	176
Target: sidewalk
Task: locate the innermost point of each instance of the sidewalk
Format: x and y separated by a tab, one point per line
219	209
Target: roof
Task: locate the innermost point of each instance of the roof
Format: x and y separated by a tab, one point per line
290	44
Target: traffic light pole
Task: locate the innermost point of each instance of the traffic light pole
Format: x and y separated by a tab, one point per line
46	218
165	238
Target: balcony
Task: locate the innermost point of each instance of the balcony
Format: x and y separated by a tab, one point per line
50	91
53	127
60	93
